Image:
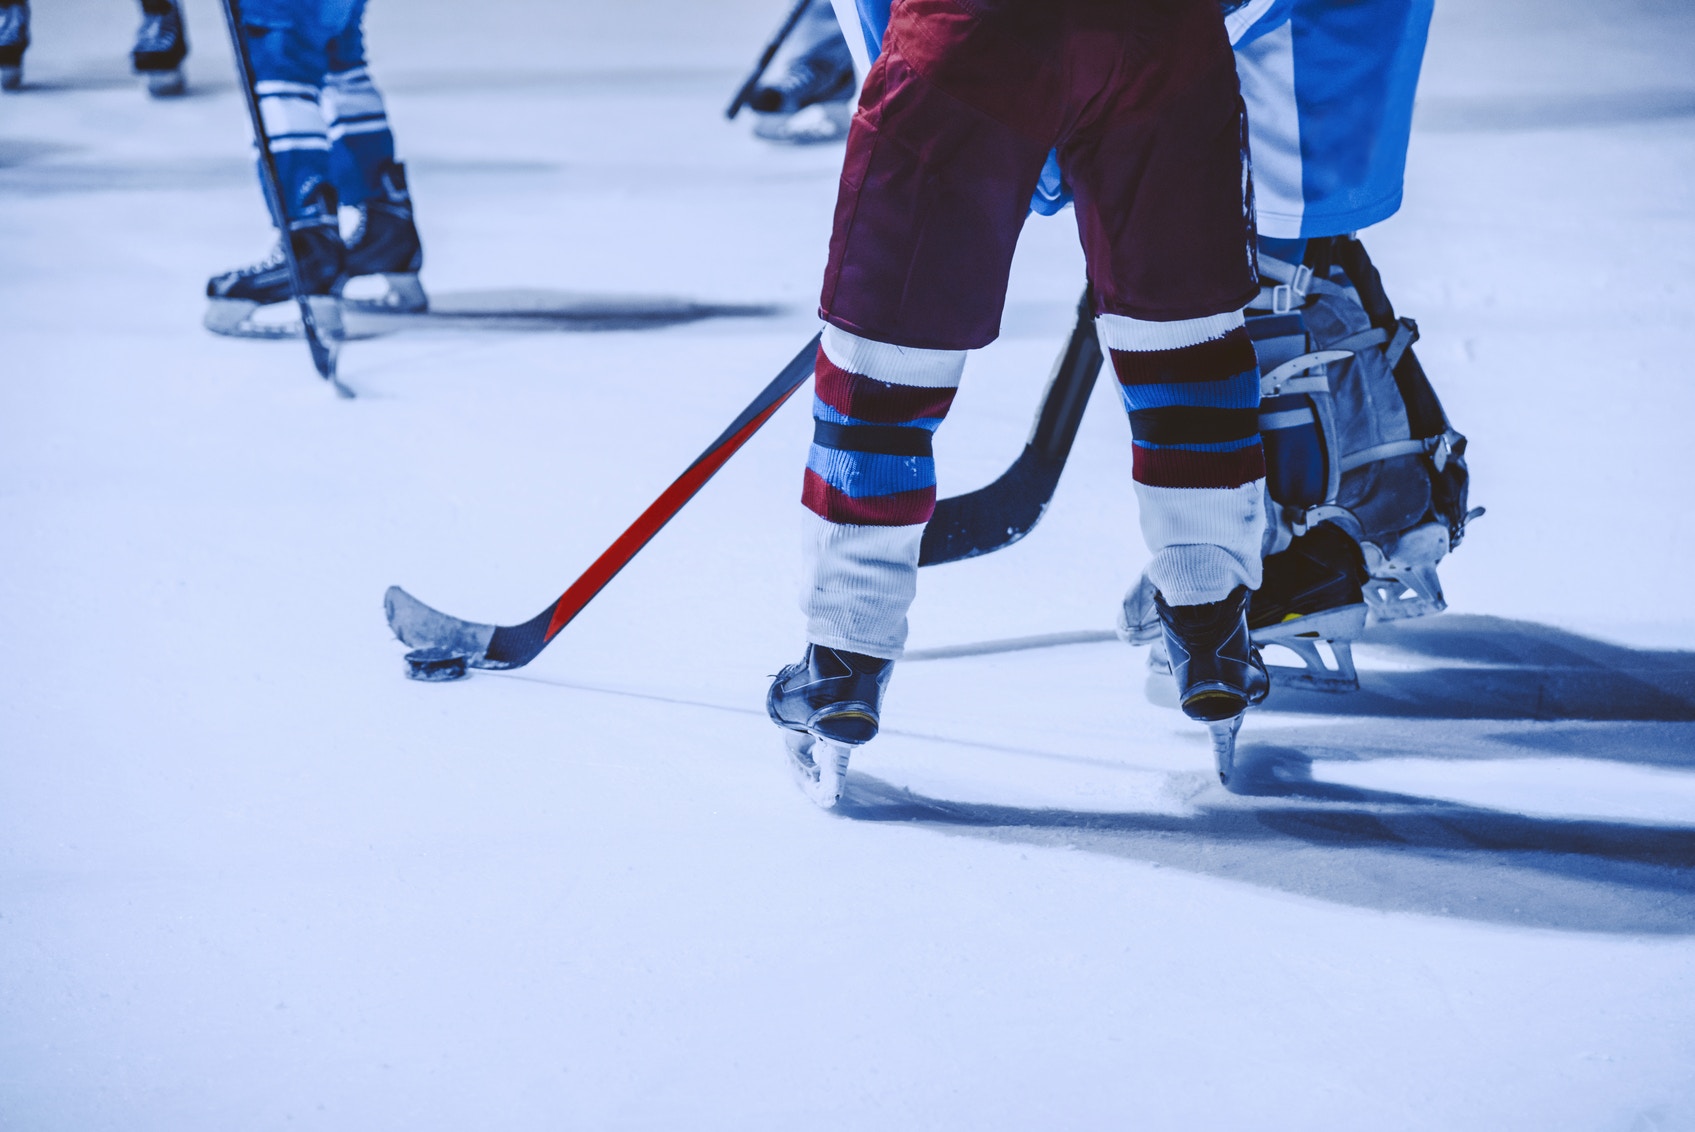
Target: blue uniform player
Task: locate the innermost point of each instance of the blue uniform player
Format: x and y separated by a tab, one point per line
329	131
161	44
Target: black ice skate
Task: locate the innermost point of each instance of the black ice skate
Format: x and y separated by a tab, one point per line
1311	594
160	47
1218	671
14	41
239	300
827	705
385	244
810	102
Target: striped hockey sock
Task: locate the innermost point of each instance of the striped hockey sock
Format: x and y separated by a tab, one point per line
870	486
357	124
1192	390
295	128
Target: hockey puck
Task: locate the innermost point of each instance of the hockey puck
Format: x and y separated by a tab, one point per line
435	664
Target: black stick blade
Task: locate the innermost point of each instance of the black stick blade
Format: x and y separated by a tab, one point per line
992	517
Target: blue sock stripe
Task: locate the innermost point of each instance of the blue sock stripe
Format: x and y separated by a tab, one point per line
1240	391
862	474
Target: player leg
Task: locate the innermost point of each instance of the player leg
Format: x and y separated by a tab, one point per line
808	97
1160	179
384	242
288	63
161	45
14	41
933	193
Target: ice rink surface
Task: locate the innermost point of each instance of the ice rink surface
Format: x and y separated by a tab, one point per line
251	878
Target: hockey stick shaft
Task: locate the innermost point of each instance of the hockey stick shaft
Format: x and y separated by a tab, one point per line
323	351
513	646
765	57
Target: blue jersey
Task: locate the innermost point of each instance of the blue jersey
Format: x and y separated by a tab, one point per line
1329	88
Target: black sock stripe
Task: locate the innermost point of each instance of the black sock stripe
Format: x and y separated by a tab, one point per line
883	440
1189	424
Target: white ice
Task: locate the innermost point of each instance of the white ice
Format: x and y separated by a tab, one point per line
251	878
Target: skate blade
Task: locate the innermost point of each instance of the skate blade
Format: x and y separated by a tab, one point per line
1403	582
1414	592
244	318
1337	628
1224	746
166	84
11	78
818	765
386	293
818	124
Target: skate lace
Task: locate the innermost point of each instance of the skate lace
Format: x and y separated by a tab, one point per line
272	259
355	237
800	75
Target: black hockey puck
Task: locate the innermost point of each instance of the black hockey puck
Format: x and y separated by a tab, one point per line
435	664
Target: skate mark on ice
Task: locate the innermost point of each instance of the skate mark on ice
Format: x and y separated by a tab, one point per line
521	308
1363	848
1013	644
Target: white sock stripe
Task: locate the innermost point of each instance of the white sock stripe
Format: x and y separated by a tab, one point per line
1134	335
291	144
896	365
290	116
1207	537
351	103
858	583
376	126
350	77
272	88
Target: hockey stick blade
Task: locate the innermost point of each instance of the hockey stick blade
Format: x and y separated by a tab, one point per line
994	517
512	646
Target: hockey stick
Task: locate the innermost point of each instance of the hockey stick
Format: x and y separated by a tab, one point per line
765	57
323	346
996	516
453	644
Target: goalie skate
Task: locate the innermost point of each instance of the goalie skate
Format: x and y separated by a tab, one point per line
1309	602
1403	582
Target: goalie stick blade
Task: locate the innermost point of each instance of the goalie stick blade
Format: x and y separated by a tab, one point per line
996	516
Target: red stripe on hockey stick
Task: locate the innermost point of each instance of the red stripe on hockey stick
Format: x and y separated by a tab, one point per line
648	524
